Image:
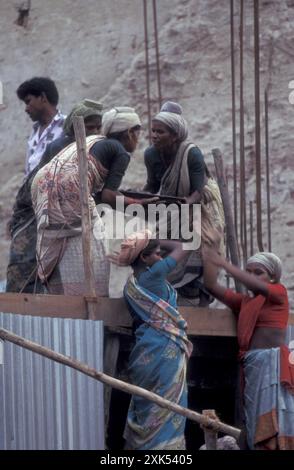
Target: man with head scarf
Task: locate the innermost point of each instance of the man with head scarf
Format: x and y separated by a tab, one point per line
268	369
176	167
21	270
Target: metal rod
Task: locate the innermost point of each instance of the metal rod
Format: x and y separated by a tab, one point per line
228	257
157	54
234	119
268	195
147	67
251	228
243	225
257	127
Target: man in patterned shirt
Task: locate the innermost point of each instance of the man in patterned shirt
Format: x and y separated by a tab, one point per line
40	96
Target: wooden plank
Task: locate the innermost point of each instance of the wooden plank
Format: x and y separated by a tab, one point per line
114	312
44	305
209	321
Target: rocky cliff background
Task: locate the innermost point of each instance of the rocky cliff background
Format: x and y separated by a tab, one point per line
95	49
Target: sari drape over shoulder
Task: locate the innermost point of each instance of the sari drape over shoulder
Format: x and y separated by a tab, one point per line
176	182
158	363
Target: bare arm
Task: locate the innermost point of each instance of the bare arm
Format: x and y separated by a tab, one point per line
194	198
252	282
210	273
175	248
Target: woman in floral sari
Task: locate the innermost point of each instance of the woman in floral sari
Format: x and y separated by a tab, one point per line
56	202
159	358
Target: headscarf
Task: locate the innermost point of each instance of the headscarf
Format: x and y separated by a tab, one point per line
174	120
119	119
131	247
172	107
271	262
85	108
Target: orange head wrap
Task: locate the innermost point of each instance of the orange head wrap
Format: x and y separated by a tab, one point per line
131	247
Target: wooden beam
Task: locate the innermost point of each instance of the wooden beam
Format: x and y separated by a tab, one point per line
41	305
114	312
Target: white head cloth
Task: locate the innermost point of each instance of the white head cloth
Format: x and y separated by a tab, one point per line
119	119
271	262
175	122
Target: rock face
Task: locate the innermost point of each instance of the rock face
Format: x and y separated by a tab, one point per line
96	50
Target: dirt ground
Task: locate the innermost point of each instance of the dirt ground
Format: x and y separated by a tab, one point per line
96	50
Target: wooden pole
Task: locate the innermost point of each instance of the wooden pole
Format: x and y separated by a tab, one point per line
79	129
119	384
230	229
210	436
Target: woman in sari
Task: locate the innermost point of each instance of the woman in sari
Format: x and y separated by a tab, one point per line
175	167
268	365
56	202
158	360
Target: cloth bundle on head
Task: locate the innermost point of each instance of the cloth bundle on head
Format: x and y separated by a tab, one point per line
171	107
131	247
119	119
171	115
85	108
271	262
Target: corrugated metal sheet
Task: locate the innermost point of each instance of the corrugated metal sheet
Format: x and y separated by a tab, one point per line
45	405
290	333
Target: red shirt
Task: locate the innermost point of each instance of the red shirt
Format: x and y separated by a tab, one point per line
274	311
260	311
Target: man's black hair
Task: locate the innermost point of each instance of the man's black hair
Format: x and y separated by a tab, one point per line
36	86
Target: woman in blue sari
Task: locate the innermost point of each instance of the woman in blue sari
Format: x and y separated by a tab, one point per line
158	360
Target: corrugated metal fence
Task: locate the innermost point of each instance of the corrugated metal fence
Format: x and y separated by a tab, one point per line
290	334
45	405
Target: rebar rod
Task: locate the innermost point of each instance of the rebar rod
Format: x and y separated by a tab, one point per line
268	194
257	127
235	190
147	67
157	54
243	225
251	227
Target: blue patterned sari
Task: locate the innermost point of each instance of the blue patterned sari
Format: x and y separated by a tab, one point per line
157	363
